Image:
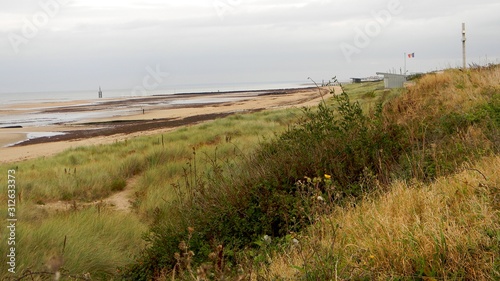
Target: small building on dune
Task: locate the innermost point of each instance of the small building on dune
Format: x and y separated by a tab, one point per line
392	80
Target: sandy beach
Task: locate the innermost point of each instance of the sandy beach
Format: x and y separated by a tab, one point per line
136	117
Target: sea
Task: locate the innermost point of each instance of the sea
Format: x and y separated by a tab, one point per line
90	95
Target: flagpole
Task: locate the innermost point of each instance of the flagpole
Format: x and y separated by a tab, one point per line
404	73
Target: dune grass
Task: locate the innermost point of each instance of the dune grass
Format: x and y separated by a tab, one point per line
447	230
91	242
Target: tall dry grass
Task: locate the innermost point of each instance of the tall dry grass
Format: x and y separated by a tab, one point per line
447	230
440	94
448	117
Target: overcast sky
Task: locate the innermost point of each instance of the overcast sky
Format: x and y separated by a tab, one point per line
54	45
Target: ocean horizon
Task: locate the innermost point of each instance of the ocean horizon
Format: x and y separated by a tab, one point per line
92	95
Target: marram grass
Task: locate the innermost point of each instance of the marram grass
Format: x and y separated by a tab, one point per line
93	242
447	230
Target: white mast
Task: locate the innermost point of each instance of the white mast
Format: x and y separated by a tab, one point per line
463	47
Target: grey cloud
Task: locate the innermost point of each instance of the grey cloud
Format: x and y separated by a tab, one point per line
255	40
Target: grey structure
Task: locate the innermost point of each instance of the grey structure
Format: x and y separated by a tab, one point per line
392	80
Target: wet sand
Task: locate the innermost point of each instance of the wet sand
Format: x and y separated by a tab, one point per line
159	115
